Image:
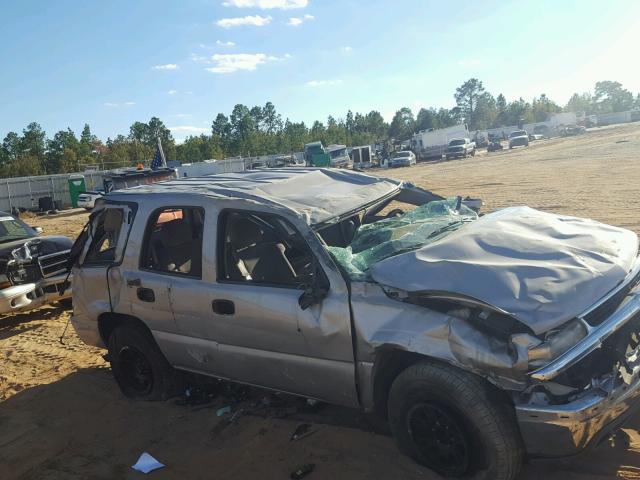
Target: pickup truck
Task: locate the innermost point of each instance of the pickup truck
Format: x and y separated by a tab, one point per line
483	340
460	147
33	267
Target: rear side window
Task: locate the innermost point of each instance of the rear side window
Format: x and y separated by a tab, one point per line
173	241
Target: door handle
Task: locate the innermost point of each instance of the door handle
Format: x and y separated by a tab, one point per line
146	295
223	307
134	282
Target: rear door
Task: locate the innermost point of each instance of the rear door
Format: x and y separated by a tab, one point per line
171	239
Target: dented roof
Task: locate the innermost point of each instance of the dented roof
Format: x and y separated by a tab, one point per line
319	193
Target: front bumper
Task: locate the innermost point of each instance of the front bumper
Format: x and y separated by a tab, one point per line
32	295
563	430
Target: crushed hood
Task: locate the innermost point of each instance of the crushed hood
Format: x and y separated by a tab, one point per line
541	268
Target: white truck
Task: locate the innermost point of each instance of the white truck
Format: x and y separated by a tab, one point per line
433	143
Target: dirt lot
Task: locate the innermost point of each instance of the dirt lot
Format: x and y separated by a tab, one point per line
62	416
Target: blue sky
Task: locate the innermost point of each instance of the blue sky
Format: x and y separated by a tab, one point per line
112	63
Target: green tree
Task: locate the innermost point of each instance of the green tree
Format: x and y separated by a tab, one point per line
59	160
611	97
402	125
33	143
543	107
501	111
468	96
580	103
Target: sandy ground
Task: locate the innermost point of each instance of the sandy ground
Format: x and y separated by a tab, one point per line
62	416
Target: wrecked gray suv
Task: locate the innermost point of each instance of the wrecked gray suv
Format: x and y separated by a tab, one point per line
483	339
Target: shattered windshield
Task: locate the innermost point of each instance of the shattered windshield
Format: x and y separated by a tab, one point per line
385	238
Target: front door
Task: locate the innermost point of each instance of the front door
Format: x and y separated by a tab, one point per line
247	310
102	255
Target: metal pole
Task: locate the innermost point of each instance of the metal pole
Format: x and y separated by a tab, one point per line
164	160
9	195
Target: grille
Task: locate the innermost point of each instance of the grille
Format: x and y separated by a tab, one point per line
54	263
619	353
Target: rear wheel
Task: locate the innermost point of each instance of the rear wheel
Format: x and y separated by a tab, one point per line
139	367
454	423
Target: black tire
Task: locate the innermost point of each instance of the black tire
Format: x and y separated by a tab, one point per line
476	435
66	303
139	367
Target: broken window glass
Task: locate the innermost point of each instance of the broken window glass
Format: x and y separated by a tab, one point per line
376	241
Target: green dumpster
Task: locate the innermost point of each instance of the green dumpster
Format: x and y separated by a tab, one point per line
76	187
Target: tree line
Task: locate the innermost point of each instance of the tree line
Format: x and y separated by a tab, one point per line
262	130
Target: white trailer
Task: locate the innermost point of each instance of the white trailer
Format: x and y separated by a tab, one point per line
432	143
362	157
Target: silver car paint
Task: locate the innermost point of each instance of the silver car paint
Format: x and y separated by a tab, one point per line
276	345
297	351
541	268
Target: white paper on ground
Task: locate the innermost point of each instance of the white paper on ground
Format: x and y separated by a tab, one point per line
146	463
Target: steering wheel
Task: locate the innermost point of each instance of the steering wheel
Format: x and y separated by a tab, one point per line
396	212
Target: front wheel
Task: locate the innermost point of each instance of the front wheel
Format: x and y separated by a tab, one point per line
454	423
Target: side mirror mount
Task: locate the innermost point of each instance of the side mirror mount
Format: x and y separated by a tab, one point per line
316	288
38	230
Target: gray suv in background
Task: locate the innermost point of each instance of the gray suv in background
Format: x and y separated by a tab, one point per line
481	339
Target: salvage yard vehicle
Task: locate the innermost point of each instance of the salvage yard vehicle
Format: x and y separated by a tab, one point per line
460	147
494	145
403	158
87	200
518	138
483	340
33	268
572	130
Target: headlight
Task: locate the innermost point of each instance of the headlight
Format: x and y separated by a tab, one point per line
558	342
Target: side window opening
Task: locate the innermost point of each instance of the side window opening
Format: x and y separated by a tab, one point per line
173	242
262	249
106	235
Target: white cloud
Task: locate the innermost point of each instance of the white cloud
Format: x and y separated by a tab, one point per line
199	58
109	104
167	66
323	83
229	63
182	115
297	21
267	4
254	20
346	49
172	92
128	104
188	92
220	43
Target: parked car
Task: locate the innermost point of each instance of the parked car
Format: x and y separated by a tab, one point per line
535	136
88	199
480	339
32	267
494	146
543	130
403	158
571	130
518	138
460	147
